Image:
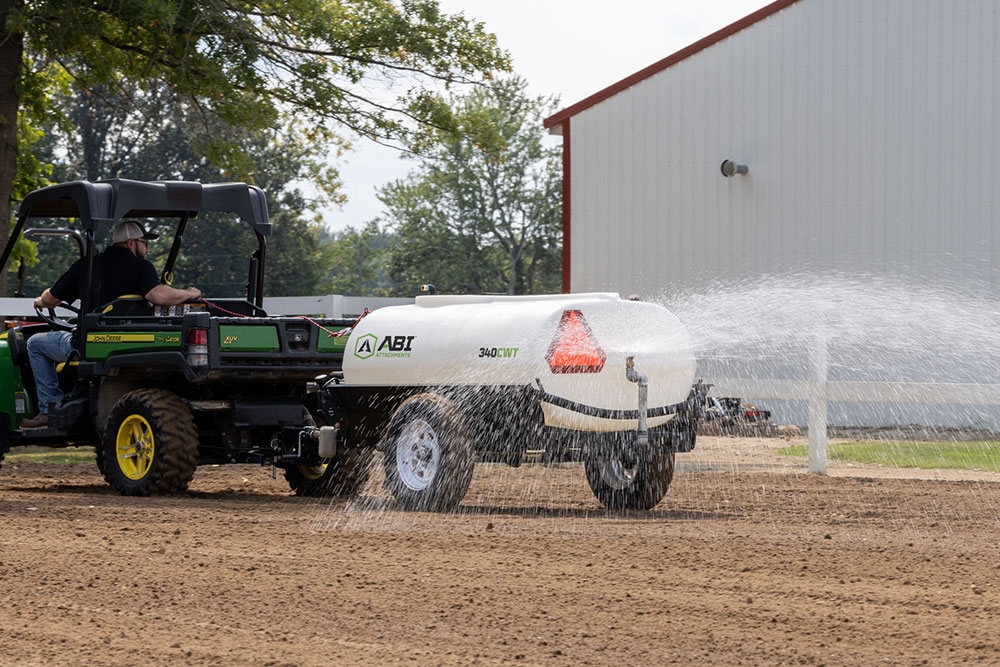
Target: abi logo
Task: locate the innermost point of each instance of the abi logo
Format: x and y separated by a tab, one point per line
369	345
364	347
396	343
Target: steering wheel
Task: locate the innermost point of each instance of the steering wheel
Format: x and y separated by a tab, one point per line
54	320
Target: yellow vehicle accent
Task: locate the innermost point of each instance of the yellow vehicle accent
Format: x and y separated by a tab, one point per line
313	472
128	297
63	364
120	338
134	447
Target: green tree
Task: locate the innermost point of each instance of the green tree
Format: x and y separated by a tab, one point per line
153	135
355	261
482	211
245	63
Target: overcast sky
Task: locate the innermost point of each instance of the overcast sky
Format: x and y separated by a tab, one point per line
569	48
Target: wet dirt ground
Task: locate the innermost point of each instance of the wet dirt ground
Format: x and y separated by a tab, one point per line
748	560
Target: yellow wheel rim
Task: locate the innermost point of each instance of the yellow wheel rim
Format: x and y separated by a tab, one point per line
313	472
134	447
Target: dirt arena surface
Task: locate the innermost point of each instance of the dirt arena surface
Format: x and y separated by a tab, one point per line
748	560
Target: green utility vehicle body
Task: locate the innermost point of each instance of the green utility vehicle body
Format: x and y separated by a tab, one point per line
15	402
159	391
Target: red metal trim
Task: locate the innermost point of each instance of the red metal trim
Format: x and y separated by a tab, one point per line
717	36
565	207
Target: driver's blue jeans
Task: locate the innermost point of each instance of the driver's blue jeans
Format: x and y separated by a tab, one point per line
45	350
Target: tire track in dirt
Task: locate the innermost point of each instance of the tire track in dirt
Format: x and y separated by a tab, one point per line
732	567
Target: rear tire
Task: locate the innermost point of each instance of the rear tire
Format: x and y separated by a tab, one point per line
99	457
341	476
639	483
429	457
150	444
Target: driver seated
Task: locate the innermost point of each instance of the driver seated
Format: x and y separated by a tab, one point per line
122	269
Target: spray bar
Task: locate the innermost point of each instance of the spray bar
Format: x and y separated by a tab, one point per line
605	413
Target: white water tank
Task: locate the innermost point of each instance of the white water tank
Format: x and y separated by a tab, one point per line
575	345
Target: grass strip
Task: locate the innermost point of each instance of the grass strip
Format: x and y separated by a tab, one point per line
982	455
54	456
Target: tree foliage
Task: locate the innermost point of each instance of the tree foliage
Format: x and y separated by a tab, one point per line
245	62
157	140
331	63
482	211
355	262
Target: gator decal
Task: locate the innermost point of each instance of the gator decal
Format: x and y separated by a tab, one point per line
236	338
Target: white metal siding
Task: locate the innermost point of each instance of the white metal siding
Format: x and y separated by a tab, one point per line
869	127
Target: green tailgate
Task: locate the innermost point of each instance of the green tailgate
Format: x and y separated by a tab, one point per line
103	345
14	400
328	343
235	338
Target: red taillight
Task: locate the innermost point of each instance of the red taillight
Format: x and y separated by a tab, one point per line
574	348
197	337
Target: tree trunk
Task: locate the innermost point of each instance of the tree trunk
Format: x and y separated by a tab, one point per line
92	134
11	52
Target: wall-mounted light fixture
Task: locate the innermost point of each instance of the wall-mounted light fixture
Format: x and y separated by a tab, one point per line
730	168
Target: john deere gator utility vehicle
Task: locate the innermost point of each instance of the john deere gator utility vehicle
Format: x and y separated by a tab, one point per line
159	391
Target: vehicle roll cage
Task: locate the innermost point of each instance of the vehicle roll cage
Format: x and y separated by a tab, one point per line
99	205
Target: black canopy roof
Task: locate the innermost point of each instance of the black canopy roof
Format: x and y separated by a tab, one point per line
114	199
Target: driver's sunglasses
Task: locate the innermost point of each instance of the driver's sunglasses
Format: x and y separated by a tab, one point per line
144	242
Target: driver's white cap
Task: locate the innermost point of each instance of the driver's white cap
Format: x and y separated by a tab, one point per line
130	229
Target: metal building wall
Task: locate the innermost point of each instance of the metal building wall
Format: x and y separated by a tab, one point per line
870	131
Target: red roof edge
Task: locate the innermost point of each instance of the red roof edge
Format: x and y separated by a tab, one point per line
672	59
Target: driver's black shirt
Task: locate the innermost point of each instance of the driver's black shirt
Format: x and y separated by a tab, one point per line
120	273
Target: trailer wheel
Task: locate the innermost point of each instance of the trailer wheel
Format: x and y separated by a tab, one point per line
639	482
150	444
341	476
429	455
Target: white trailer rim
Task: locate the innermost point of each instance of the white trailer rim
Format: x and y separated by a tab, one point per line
417	455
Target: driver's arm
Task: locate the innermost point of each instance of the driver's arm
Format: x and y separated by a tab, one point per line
46	300
164	295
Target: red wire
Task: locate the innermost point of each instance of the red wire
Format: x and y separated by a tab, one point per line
333	334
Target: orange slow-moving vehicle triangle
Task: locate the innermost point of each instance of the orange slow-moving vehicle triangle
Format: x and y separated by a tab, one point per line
574	348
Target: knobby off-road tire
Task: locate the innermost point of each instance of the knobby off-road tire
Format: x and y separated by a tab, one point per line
150	444
429	455
99	457
341	476
637	483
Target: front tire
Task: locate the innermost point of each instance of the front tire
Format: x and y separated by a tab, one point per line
150	444
638	481
429	457
341	476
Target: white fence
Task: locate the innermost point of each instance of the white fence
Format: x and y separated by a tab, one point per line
330	305
819	391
